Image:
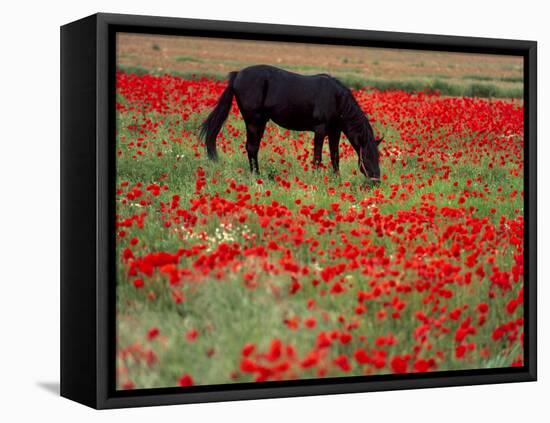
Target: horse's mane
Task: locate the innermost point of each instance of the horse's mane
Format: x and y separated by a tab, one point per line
354	117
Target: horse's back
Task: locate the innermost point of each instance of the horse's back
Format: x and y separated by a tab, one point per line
292	100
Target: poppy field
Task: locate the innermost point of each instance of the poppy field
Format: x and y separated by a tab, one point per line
224	276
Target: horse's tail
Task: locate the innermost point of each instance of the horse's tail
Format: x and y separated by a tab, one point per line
211	127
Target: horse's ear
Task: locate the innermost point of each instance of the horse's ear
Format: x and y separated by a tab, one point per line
379	140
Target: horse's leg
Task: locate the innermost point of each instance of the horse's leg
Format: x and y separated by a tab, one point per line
334	145
254	132
318	141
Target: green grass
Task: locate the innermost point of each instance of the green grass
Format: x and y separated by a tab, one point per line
436	84
188	59
476	77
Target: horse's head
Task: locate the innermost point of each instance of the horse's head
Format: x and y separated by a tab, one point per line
369	160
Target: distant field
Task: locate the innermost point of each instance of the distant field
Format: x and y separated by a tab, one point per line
449	73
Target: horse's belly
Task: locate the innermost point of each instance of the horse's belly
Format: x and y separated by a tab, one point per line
293	121
292	125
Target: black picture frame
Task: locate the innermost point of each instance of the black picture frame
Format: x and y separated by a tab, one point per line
87	215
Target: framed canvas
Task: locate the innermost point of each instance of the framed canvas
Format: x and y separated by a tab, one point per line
215	247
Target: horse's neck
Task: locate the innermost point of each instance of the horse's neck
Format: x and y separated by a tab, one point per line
354	122
355	133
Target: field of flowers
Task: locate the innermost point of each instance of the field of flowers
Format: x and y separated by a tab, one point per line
224	276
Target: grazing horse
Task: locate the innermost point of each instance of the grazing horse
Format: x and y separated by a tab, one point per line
318	103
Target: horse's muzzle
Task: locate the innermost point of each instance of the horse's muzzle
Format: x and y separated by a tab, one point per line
375	181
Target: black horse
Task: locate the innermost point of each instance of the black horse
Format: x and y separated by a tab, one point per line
318	103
